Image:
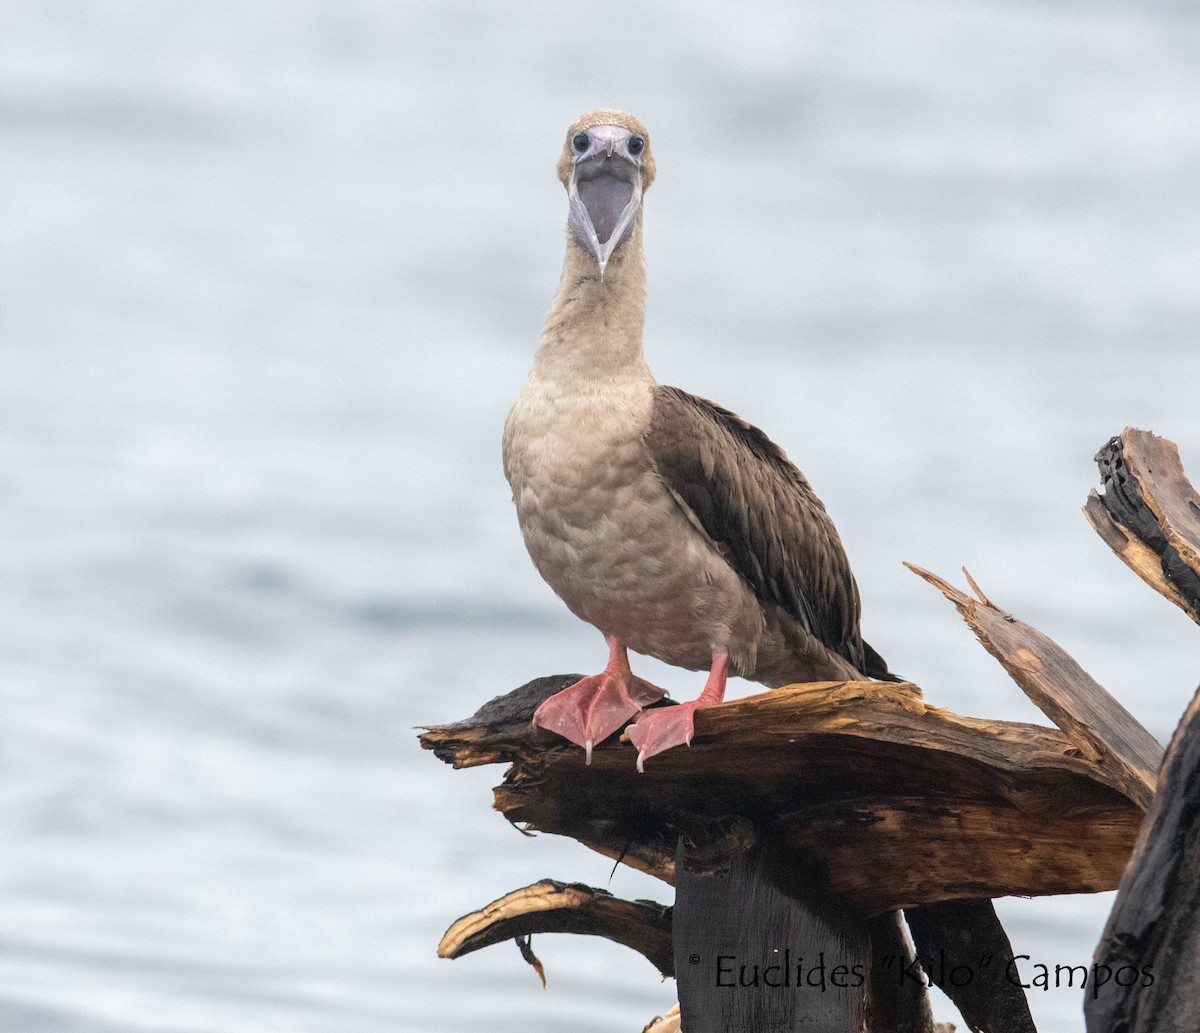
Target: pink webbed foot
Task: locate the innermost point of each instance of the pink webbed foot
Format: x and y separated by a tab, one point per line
660	729
593	708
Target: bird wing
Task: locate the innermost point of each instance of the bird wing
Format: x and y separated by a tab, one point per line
740	488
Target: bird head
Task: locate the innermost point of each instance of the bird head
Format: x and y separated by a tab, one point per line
606	166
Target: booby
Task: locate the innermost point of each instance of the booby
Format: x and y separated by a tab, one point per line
670	524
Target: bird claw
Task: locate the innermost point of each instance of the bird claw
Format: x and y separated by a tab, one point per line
593	708
659	730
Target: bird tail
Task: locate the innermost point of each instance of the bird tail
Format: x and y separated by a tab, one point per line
875	666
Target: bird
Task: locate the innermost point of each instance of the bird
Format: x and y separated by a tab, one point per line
674	527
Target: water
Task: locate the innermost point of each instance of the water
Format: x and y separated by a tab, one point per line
272	276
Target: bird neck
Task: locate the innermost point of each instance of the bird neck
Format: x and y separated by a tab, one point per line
594	327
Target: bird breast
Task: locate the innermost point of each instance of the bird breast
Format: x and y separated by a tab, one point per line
603	530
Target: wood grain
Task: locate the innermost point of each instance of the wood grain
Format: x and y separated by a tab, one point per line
1149	514
549	906
1124	753
1152	938
882	799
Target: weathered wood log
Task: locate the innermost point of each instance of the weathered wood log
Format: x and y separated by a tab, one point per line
1149	955
809	815
1146	976
912	807
495	732
966	953
1149	515
884	800
897	1001
743	950
1125	755
550	906
758	948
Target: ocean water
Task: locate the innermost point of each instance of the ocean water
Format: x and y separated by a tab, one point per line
273	273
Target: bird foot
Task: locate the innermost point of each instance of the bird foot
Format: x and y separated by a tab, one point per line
659	730
593	708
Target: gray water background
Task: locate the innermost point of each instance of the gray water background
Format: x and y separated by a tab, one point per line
272	274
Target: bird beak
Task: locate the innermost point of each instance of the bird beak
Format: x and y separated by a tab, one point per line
605	193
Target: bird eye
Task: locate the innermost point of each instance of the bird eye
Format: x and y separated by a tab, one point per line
580	142
637	144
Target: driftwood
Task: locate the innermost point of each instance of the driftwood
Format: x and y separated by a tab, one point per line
557	907
884	800
951	938
758	948
804	819
911	806
1149	955
1108	735
1149	515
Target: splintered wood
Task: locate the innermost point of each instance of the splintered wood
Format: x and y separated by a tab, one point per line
550	906
1150	951
1125	754
884	800
1149	515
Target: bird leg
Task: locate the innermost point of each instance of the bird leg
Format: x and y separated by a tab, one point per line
663	728
593	708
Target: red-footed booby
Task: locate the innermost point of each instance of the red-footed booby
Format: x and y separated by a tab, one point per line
667	522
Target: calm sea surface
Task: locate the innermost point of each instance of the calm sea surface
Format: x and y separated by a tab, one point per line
272	274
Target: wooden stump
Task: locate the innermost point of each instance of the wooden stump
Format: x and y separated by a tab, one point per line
1146	976
802	821
886	801
812	814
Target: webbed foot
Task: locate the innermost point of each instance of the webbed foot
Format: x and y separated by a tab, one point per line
593	708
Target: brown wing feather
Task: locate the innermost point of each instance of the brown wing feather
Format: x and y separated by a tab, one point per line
761	513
